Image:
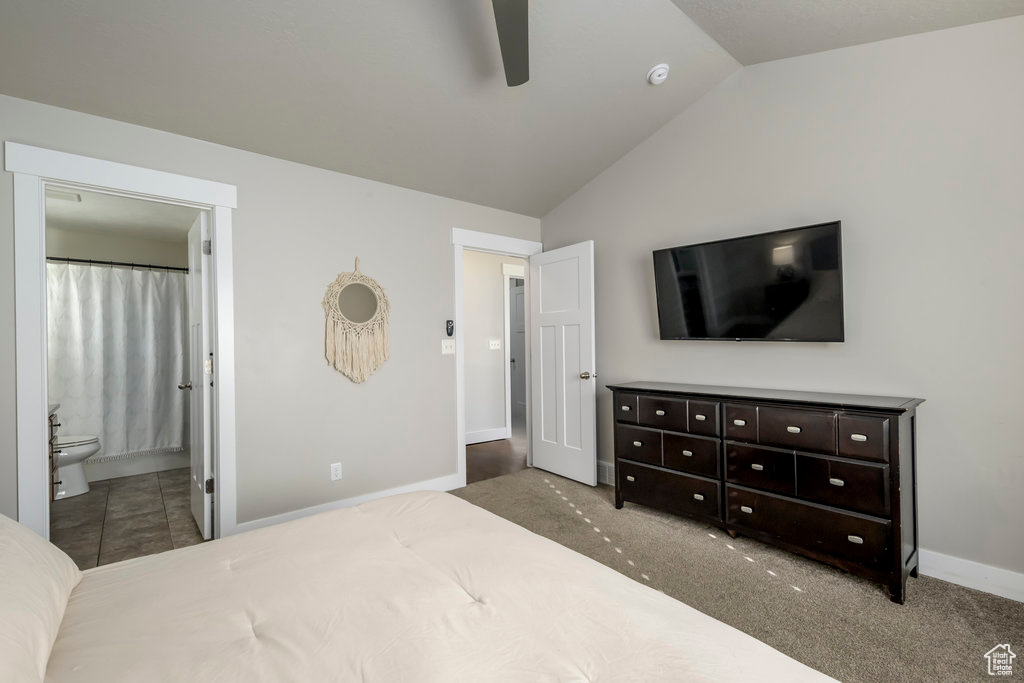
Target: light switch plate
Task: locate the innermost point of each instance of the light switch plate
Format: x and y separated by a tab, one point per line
495	345
447	347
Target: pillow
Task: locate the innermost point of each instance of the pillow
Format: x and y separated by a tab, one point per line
36	579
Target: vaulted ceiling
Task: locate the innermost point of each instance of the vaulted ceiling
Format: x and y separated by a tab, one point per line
409	92
756	31
412	92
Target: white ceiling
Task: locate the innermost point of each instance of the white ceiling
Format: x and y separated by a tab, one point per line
123	216
756	31
409	92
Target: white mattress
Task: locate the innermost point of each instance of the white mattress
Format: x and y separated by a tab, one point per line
418	587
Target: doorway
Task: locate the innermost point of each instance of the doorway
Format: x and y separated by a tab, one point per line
495	380
37	171
118	357
560	355
515	301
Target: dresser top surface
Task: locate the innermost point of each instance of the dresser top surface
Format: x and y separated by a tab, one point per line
781	395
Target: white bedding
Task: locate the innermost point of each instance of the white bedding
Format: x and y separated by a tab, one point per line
418	587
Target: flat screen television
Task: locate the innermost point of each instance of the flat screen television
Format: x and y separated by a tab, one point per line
777	286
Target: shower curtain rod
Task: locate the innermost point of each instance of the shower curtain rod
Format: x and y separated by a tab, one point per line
65	259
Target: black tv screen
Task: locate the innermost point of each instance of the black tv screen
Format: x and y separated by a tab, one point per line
777	286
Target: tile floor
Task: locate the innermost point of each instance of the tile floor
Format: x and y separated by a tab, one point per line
124	518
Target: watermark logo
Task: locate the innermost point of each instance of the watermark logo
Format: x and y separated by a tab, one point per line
1000	660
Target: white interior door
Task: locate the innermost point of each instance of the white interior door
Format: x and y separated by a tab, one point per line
200	374
563	377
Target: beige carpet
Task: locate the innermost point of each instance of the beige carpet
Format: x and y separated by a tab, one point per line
836	623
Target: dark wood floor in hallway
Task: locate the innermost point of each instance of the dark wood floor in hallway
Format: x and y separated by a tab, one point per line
495	458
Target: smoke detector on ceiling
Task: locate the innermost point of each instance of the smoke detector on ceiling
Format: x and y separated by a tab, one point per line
657	74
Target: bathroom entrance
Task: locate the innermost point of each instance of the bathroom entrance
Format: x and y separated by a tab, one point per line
37	171
125	339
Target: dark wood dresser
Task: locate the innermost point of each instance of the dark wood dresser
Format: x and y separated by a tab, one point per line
829	476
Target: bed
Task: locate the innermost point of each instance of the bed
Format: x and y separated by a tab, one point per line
416	587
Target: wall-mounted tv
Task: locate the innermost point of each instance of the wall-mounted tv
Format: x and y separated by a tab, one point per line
777	286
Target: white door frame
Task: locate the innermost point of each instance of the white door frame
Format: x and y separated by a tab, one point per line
492	244
34	168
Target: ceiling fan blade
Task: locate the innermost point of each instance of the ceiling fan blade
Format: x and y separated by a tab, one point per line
512	19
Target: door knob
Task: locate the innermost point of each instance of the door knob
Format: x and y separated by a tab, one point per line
587	375
187	385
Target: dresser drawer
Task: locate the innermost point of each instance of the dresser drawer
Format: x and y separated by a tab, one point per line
741	422
637	443
862	436
690	454
667	413
847	536
703	417
806	430
863	488
668	491
626	407
760	468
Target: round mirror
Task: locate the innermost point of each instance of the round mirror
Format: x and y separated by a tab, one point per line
357	302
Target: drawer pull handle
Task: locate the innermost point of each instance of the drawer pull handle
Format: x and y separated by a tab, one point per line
700	418
855	539
688	454
630	477
698	496
747	509
659	413
858	437
793	430
638	444
740	423
624	409
836	482
755	466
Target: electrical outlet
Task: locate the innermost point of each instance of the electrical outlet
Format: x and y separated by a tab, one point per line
447	347
335	471
494	345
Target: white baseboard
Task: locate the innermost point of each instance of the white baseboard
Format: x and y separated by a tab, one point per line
446	483
982	577
486	435
605	473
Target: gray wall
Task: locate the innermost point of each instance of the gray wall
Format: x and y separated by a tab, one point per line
917	144
107	246
296	228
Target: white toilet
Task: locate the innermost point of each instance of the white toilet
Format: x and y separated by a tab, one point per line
71	453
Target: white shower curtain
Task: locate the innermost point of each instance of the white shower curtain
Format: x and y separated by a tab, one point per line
116	352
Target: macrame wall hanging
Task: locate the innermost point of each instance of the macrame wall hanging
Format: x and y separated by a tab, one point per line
356	329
